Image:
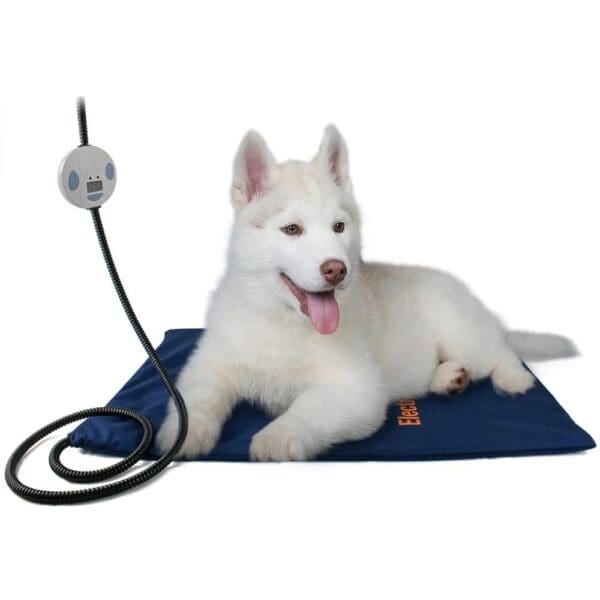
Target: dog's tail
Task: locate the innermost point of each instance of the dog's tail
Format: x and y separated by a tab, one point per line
540	346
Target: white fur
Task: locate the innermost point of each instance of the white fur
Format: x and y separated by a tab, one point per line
397	323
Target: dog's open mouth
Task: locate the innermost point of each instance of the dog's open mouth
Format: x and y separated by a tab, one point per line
320	307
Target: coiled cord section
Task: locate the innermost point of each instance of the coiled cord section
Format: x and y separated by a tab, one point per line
111	489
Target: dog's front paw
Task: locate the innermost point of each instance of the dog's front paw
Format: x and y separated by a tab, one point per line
202	436
278	442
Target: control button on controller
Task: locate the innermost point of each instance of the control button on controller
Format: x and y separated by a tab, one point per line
73	181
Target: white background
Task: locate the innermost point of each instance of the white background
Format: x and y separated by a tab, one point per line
474	136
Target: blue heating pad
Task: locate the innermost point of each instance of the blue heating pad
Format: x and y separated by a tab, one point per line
478	423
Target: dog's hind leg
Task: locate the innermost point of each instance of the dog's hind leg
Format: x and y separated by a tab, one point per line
490	357
471	337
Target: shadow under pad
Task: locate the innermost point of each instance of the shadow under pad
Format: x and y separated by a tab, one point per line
477	424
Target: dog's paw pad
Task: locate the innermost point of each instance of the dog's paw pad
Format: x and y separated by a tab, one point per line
450	378
459	383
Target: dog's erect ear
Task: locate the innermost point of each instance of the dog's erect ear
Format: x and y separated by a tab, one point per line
254	170
333	156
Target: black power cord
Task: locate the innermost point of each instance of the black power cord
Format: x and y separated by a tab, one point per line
76	496
82	121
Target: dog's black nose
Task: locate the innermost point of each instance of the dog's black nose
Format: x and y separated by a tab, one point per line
333	271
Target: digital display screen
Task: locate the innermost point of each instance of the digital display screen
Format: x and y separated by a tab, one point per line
94	186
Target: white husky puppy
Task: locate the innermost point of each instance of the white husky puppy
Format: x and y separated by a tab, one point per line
321	340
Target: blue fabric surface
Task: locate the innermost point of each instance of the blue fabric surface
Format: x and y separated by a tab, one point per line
478	423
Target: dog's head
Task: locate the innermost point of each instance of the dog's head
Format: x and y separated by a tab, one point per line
297	228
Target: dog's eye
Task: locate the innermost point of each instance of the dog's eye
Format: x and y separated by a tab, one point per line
292	229
339	227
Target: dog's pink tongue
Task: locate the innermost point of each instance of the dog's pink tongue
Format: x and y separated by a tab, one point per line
323	311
